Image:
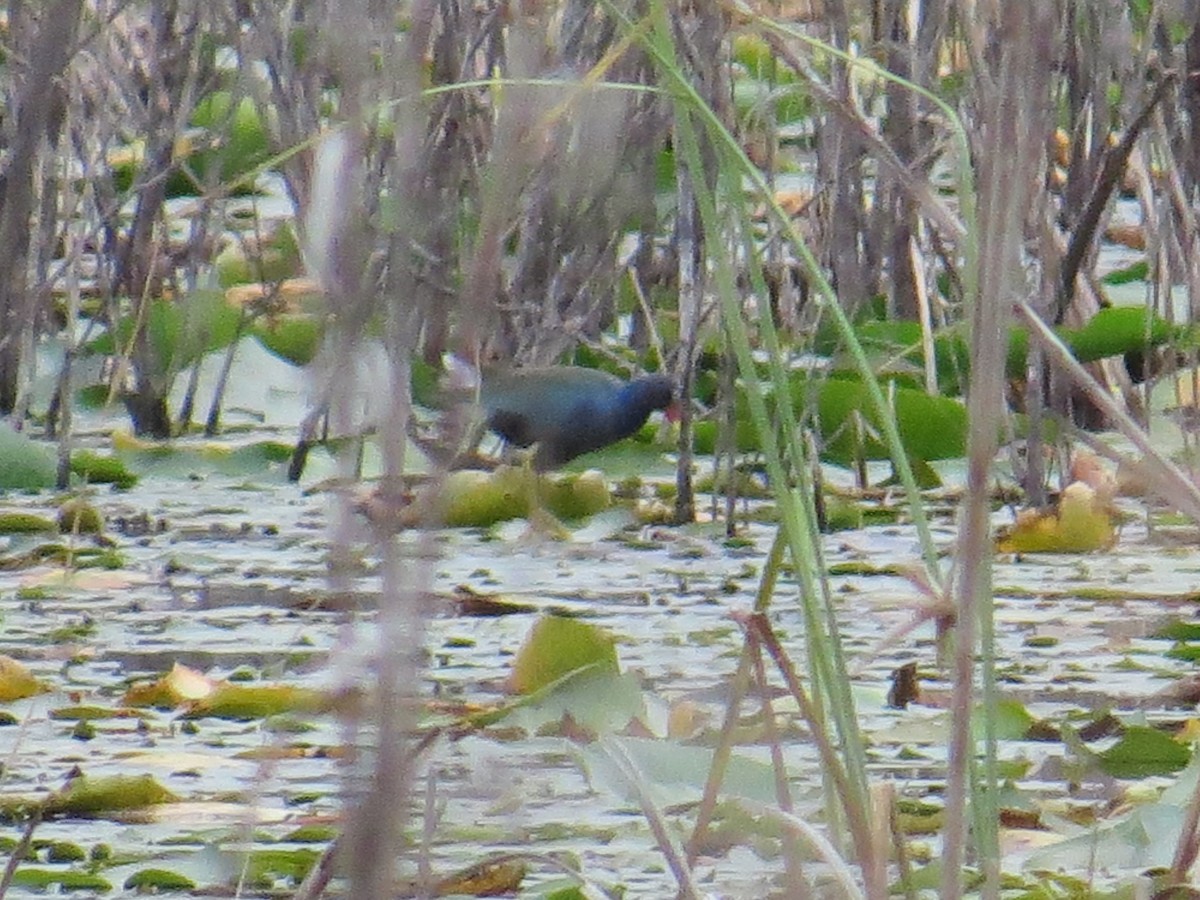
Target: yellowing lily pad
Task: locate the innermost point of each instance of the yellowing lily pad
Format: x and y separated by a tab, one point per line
180	685
576	496
232	700
86	796
490	878
16	682
201	696
558	646
478	499
225	700
470	498
1082	523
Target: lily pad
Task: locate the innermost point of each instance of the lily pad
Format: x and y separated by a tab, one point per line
673	772
293	337
275	259
25	464
94	468
1080	524
231	700
95	796
65	880
79	517
16	522
16	682
1142	752
152	881
557	646
180	331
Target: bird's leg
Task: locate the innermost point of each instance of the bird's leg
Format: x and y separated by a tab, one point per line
542	522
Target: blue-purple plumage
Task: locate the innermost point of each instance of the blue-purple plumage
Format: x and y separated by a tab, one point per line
569	411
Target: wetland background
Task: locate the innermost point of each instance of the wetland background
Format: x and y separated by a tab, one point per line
904	261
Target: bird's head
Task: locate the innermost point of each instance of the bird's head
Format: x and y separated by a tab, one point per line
658	392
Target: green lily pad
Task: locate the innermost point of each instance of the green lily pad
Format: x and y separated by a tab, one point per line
96	469
14	522
65	880
294	337
151	881
557	646
1142	752
25	464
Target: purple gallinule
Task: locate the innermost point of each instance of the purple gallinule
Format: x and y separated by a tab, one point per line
568	411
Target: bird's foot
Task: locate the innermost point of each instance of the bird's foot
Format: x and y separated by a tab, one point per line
544	525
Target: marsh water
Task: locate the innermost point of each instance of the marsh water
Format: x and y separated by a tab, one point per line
227	574
223	568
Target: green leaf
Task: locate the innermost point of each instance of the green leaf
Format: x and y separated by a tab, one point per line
187	459
1184	652
930	427
25	464
265	867
276	259
1012	720
178	331
244	142
295	337
676	773
1144	839
243	702
1116	331
1142	752
1138	271
88	796
557	646
151	881
96	469
17	522
66	880
896	346
561	889
596	698
1178	630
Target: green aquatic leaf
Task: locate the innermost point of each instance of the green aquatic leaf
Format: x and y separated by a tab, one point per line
557	646
179	331
152	881
294	337
18	522
25	464
675	773
64	880
1142	752
595	698
94	468
96	796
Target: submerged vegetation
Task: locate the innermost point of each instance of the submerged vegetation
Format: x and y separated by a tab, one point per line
250	244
